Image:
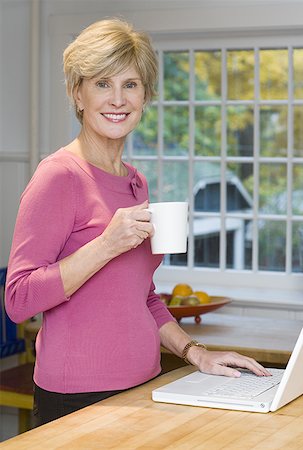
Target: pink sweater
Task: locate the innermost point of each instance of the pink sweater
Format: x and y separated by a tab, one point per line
105	336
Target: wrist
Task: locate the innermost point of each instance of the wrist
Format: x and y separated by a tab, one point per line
191	349
105	248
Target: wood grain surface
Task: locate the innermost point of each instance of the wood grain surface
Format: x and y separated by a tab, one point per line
131	420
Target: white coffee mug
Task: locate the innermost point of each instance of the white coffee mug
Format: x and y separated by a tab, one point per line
170	227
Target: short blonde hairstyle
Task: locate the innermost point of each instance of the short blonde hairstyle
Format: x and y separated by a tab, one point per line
107	48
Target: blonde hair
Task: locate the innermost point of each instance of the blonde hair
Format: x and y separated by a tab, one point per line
107	48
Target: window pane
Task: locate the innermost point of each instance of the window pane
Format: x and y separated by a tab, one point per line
176	140
273	131
298	73
240	131
273	74
175	181
297	190
208	75
145	136
298	131
273	182
149	169
207	241
179	259
208	130
238	243
272	239
240	184
207	181
240	75
176	79
297	247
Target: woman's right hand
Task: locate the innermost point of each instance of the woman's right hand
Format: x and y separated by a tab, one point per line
128	228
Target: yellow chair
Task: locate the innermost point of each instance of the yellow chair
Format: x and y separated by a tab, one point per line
16	384
16	391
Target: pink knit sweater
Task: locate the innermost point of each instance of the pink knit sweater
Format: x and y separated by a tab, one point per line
105	336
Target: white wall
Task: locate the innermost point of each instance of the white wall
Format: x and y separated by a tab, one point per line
14	113
59	20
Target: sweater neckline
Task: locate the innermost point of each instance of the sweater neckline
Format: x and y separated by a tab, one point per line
84	163
125	184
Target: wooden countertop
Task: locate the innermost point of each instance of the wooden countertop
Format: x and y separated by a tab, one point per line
131	420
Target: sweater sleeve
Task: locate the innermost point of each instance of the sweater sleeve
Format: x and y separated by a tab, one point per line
158	309
44	222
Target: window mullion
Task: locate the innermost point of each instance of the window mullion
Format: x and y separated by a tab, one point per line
290	143
160	125
129	148
223	239
191	150
255	228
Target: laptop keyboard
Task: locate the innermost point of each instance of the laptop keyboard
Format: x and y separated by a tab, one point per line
247	386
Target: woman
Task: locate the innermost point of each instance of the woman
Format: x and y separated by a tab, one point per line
81	251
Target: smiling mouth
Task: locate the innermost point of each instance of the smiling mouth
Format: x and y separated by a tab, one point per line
115	117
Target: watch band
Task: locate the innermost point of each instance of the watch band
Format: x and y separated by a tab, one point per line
190	344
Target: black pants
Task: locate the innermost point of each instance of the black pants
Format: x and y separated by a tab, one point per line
49	406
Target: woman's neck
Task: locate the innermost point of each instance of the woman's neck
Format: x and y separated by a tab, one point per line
106	154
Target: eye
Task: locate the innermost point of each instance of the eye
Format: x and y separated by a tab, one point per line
102	84
131	84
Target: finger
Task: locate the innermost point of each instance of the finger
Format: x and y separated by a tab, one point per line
257	368
139	207
252	365
141	215
226	371
141	235
145	227
245	362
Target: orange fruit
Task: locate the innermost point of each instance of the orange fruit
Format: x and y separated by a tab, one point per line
182	289
202	296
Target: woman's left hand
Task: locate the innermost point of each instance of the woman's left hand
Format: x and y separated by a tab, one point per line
224	363
174	338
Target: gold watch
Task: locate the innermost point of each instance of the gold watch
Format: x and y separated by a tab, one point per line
190	344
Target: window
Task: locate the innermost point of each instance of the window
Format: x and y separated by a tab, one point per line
226	134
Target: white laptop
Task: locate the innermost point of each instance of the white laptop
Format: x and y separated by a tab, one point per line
247	393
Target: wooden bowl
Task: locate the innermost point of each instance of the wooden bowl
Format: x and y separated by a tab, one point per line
195	311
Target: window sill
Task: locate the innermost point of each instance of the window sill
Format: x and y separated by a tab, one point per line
252	301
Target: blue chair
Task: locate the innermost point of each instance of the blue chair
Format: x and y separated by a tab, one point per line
16	384
10	342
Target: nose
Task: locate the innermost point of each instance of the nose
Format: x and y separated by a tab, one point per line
117	98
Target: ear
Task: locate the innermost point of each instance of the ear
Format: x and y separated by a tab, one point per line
77	95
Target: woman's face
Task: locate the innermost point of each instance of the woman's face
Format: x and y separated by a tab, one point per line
112	107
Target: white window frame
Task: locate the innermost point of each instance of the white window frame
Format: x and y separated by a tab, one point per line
252	284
